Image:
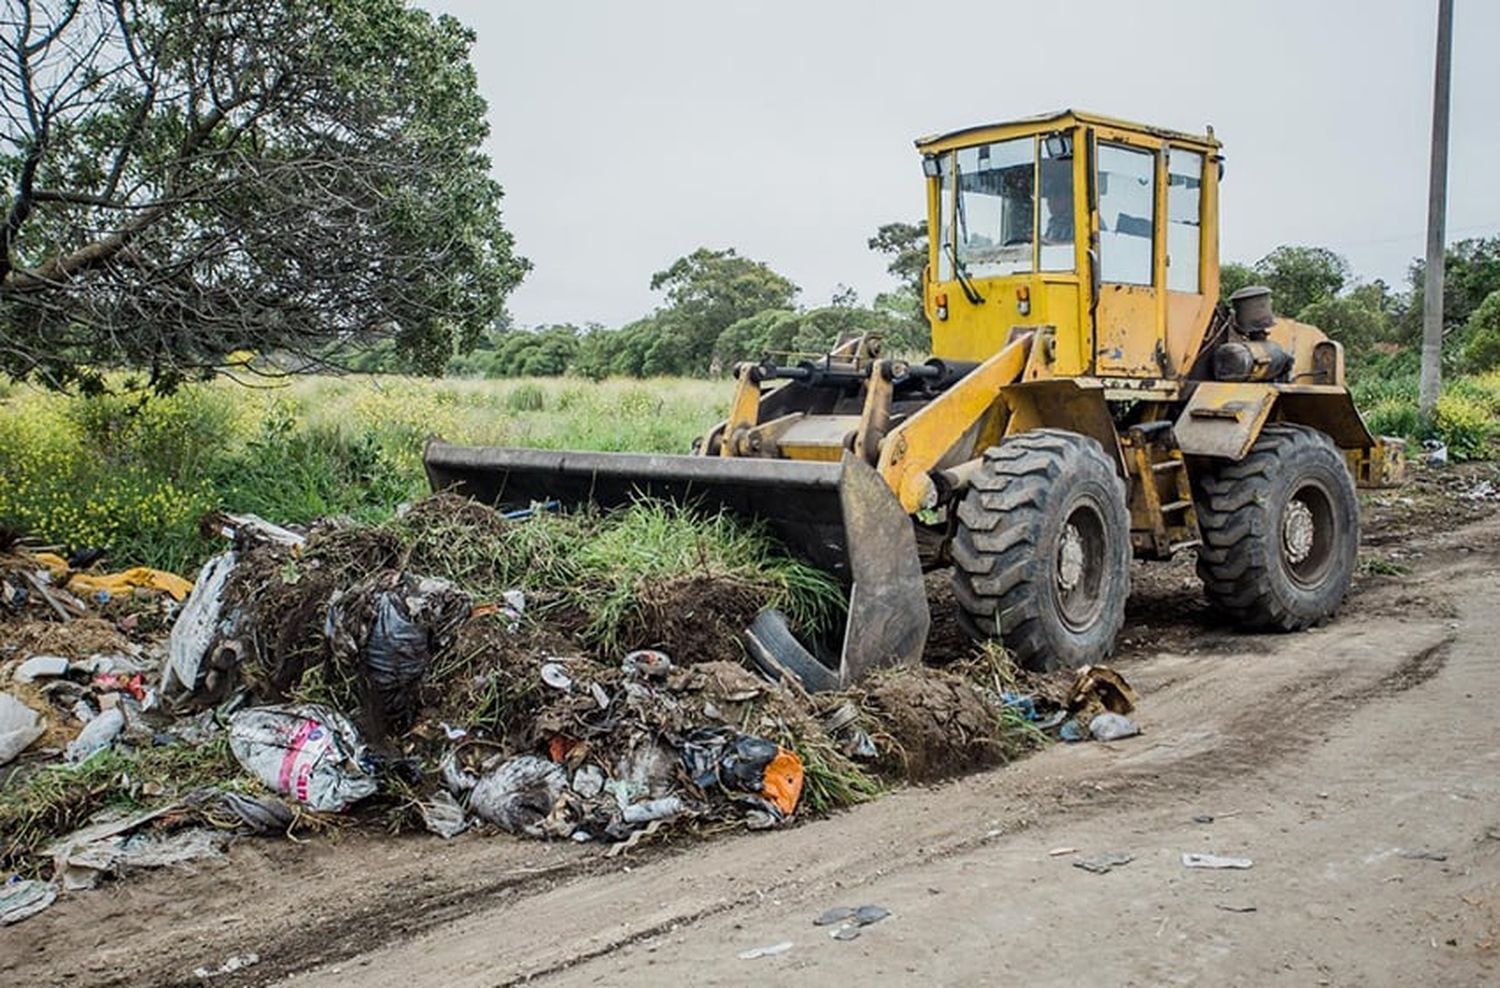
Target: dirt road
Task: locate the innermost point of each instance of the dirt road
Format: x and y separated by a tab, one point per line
1356	765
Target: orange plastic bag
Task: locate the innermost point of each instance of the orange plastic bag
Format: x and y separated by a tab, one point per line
783	781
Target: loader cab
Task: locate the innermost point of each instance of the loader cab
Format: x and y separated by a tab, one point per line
1099	234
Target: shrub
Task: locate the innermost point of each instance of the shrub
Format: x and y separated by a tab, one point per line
135	477
1465	425
1482	350
526	398
1394	417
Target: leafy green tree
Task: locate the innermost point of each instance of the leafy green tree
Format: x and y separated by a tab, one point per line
1482	332
540	353
620	351
1234	276
906	328
787	334
1300	276
1350	319
182	179
1471	273
906	246
770	331
707	292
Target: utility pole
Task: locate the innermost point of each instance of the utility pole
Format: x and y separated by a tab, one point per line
1437	208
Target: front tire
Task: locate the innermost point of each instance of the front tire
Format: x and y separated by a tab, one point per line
1280	531
1042	550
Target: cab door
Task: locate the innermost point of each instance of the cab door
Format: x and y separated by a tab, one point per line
1128	314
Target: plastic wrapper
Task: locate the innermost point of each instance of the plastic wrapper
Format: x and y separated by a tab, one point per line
196	626
19	727
389	628
309	753
520	794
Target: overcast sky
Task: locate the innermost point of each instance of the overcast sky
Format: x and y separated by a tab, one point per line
627	134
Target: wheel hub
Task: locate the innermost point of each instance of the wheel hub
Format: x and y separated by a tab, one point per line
1297	532
1070	558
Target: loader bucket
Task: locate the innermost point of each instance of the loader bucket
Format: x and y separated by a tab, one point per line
840	517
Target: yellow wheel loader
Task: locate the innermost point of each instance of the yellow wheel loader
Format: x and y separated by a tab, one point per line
1088	400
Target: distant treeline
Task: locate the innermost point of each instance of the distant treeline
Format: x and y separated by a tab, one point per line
720	307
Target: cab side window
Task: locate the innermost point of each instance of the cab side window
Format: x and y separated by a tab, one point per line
1184	223
1127	197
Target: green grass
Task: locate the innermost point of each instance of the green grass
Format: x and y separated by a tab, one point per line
135	476
1467	418
598	564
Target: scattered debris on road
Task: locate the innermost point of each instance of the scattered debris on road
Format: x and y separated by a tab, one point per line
21	898
852	920
1422	855
232	964
1101	864
755	953
1112	727
1191	860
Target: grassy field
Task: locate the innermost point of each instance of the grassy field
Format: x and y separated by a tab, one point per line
135	476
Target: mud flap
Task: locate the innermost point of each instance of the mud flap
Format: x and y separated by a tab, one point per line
840	517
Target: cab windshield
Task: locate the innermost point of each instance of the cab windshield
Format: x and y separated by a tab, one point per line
993	221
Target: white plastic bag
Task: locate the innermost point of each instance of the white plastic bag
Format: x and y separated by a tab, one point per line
310	753
19	726
96	735
520	794
197	623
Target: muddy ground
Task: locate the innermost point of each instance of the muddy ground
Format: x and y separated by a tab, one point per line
1355	764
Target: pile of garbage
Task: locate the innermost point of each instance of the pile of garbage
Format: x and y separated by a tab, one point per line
346	672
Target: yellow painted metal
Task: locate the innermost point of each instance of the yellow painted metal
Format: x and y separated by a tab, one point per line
1126	323
1380	465
1223	418
1188	317
743	413
765	438
1134	331
1327	408
918	444
976	332
1059	120
1076	404
1163	517
818	437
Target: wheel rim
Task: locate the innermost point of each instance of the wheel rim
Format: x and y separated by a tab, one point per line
1308	534
1078	568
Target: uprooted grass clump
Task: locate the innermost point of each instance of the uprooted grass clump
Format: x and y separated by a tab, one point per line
619	576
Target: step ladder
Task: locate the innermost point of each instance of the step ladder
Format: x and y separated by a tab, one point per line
1163	520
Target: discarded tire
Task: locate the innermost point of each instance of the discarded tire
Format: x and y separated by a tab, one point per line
1280	531
1042	551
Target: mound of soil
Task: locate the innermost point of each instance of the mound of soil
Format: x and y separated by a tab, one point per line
694	618
930	723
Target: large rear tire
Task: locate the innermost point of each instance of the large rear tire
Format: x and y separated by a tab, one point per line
1280	531
1042	550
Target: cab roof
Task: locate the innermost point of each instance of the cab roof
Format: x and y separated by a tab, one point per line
1062	118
